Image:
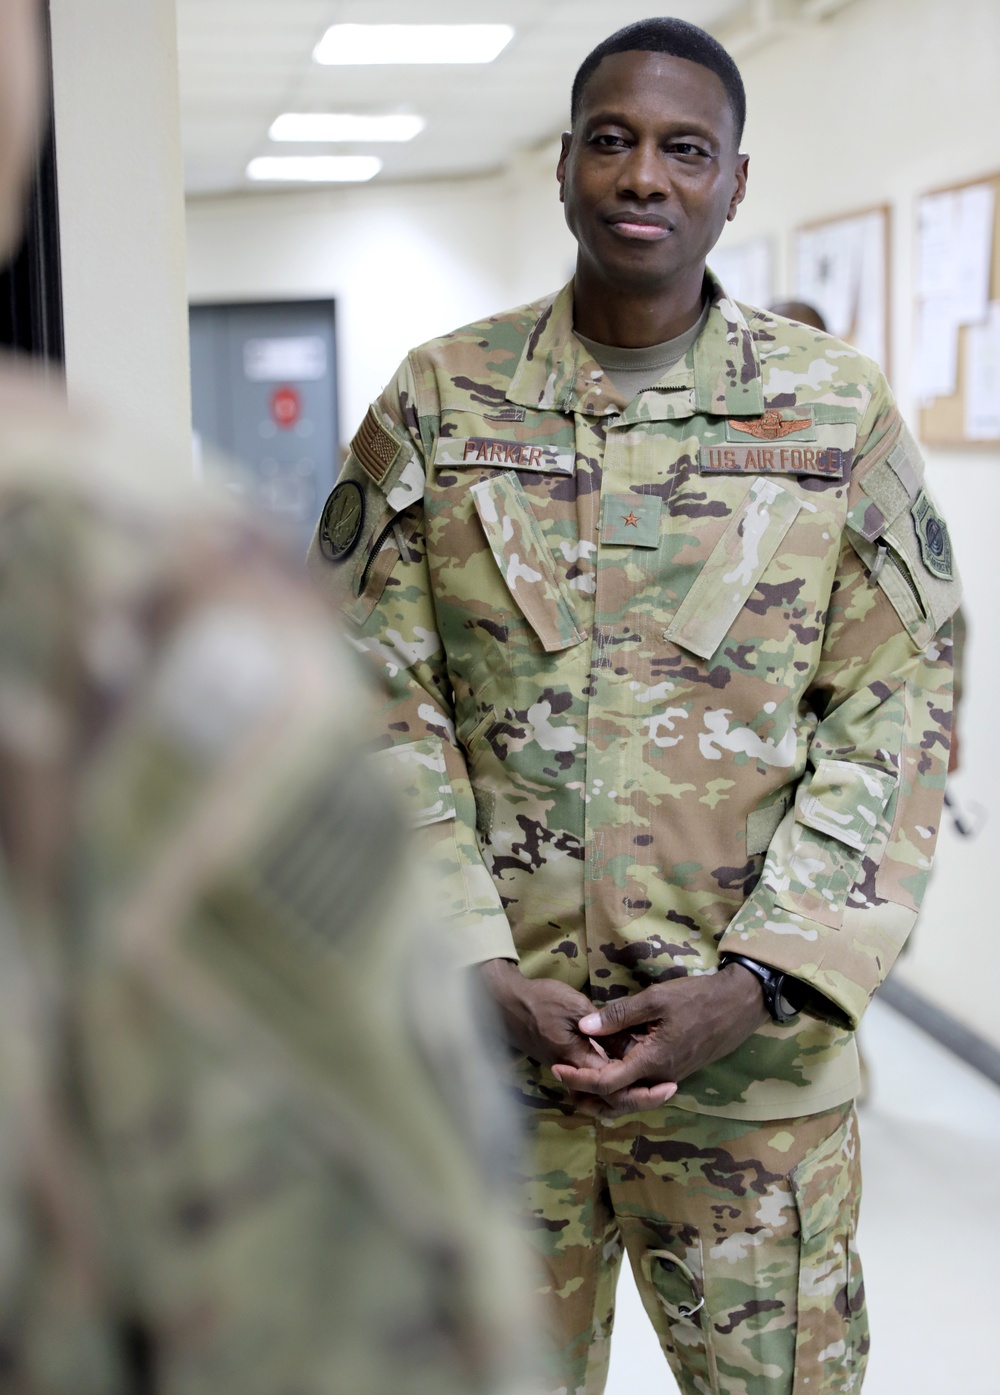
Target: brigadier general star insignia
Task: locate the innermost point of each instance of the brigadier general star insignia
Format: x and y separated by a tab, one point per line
630	520
770	426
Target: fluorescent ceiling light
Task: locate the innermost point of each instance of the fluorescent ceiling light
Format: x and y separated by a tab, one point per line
315	169
412	43
330	126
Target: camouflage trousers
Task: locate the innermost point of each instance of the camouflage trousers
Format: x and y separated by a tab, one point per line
740	1237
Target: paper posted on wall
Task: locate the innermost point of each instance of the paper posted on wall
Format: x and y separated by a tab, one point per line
840	268
746	269
956	239
935	357
828	273
982	388
954	258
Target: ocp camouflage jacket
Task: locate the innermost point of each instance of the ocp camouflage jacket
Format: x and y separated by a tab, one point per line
665	677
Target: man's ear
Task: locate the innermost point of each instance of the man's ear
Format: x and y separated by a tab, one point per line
566	141
740	191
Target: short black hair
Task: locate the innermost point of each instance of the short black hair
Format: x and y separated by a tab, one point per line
680	40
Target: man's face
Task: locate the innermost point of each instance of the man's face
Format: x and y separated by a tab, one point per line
650	173
20	109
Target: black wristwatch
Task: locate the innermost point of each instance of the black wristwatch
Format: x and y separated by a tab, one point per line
783	995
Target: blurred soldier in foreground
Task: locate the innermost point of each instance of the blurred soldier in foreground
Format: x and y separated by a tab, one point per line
217	1172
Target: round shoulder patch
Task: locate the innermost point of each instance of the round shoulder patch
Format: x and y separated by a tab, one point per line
342	522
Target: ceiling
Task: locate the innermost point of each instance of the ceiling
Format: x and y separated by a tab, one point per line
244	62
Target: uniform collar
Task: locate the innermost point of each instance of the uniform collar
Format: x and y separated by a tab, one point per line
719	377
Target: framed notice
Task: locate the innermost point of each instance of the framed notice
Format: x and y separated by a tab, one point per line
841	266
956	358
746	269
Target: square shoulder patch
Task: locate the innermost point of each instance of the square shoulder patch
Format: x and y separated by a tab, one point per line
376	448
932	534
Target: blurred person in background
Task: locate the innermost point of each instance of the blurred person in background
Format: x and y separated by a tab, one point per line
231	1160
801	311
654	578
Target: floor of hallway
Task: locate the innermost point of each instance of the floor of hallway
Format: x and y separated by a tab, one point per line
930	1227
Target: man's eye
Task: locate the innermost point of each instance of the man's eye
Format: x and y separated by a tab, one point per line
607	140
686	149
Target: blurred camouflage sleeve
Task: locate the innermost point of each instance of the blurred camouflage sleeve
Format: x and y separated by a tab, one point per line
244	1109
375	569
848	864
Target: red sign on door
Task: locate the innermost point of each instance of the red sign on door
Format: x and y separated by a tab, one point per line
286	407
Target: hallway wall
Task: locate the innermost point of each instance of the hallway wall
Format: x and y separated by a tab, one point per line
405	262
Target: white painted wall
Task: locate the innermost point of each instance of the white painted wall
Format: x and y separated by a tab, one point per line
887	99
121	213
404	263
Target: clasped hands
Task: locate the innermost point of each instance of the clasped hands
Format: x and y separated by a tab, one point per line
648	1042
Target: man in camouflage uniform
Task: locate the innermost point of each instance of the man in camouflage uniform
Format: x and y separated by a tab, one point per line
661	607
228	1163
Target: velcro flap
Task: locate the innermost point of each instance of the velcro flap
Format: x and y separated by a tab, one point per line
895	481
419	777
631	520
845	800
762	824
884	487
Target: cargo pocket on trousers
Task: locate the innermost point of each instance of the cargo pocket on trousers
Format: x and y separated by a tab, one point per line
681	1295
831	1344
737	562
522	554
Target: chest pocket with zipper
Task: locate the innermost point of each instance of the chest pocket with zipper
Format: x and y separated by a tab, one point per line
881	529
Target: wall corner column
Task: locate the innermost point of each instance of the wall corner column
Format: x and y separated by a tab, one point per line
121	215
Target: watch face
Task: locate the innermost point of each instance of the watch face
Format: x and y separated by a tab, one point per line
342	522
784	990
783	1009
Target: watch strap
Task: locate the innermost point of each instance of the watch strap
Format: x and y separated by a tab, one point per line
783	995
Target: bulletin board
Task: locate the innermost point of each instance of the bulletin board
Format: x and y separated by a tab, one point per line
957	341
841	265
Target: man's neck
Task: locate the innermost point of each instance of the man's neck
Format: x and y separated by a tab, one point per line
635	319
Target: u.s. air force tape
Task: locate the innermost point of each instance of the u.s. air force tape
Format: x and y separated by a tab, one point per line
342	521
932	534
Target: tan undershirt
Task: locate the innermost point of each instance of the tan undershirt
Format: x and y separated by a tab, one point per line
633	370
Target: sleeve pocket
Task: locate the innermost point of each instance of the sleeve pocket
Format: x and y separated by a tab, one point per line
421	781
836	817
736	564
845	800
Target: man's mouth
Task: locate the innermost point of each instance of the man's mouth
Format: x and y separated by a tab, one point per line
645	227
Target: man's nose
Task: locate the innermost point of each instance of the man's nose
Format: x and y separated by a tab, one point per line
644	174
